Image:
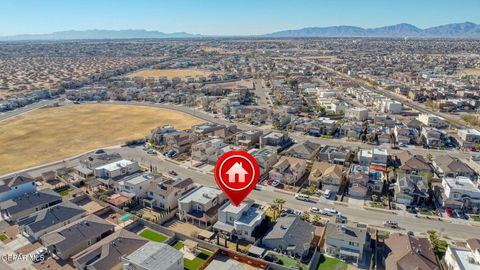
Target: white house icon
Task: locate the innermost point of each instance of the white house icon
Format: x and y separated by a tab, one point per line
236	169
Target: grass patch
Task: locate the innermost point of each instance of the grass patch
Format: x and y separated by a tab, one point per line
153	236
64	192
426	212
475	218
376	205
287	261
327	263
198	261
3	237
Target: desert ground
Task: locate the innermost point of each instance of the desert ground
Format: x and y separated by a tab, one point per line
170	73
52	134
470	71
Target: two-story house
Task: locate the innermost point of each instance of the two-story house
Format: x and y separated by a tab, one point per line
326	176
15	186
164	195
288	170
239	221
347	241
200	206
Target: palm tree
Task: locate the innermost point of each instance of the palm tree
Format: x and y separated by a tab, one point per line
279	202
305	216
274	209
374	197
384	199
317	219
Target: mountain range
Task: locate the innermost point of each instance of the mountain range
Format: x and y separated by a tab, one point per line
454	30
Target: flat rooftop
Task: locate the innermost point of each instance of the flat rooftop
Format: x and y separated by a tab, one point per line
115	165
201	195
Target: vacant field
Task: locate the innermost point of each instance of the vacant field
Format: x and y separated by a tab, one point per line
170	73
470	71
52	134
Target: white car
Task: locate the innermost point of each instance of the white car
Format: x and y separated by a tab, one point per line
302	197
315	210
330	211
391	224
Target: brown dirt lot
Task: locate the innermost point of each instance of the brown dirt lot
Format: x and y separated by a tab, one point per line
170	73
52	134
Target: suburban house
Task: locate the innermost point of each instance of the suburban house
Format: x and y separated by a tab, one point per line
87	166
15	186
408	252
335	154
347	241
157	135
307	150
208	150
116	169
239	221
363	179
200	206
22	206
375	157
266	158
288	170
164	195
49	219
107	253
179	142
77	236
275	139
462	191
448	166
247	139
290	235
135	185
326	176
433	138
413	164
356	113
411	189
431	120
153	255
469	137
463	255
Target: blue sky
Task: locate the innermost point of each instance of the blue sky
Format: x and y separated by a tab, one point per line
225	17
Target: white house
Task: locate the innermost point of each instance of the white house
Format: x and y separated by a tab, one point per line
165	195
134	185
432	120
116	168
356	113
469	137
466	256
200	206
239	221
16	186
153	255
375	156
462	189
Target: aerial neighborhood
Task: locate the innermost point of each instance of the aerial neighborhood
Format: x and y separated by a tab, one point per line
368	158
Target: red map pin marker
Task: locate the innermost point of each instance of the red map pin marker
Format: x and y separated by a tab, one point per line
236	174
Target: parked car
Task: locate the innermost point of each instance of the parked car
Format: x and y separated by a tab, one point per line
151	152
302	197
449	212
315	210
330	212
391	224
275	183
40	255
172	172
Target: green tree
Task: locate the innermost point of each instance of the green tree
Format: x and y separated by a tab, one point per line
384	200
374	197
275	210
434	239
305	216
279	202
317	219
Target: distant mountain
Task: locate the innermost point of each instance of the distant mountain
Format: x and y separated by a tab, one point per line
455	30
100	34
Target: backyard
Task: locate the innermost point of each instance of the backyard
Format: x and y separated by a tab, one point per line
198	261
51	134
287	261
153	236
328	263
